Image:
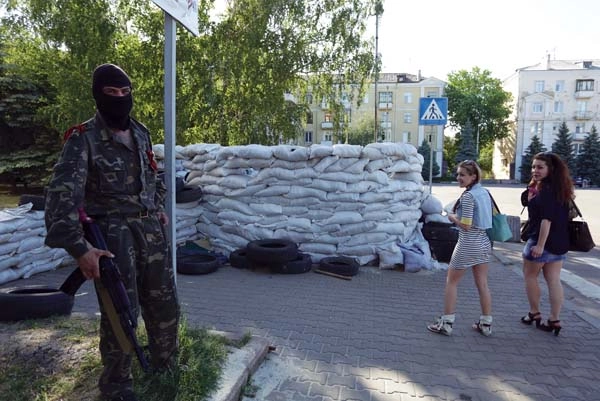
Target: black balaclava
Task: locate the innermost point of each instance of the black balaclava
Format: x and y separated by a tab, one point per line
114	109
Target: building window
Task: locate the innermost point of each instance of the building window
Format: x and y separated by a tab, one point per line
385	97
582	106
584	85
328	137
309	117
538	107
407	118
577	147
432	93
558	107
539	86
579	128
560	86
308	136
408	97
309	99
327	118
406	137
536	129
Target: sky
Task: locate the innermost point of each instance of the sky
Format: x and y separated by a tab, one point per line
441	36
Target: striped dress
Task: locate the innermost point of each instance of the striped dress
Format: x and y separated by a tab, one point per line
473	246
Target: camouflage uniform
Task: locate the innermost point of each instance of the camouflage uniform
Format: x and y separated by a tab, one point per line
118	187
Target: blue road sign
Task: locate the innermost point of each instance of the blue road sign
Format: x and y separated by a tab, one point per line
433	110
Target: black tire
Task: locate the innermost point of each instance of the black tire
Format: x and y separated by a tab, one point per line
270	252
339	265
197	264
302	264
33	302
238	259
38	201
188	194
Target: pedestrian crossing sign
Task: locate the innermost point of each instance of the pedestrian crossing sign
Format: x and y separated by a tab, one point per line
433	110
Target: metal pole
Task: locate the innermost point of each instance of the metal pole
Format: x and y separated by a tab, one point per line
376	69
169	60
431	129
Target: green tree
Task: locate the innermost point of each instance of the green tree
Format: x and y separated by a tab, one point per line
563	147
478	98
535	147
466	144
362	132
450	150
485	160
588	162
425	151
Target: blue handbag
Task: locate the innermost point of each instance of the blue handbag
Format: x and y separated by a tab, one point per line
500	230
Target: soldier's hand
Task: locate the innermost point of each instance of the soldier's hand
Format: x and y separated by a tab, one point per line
89	262
163	218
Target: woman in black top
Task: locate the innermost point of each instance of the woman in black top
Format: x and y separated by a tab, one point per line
547	201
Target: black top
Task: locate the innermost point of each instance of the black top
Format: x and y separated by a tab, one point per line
545	206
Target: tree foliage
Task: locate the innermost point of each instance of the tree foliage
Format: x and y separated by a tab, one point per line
466	144
476	97
563	147
588	162
425	151
230	81
535	147
450	150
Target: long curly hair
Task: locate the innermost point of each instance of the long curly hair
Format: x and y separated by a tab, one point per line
558	179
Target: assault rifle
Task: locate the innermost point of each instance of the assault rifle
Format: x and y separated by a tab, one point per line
112	293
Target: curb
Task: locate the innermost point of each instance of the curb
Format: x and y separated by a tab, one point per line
240	365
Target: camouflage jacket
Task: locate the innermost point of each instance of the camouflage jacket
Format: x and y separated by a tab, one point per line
101	174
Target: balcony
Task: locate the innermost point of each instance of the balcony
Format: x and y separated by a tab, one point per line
584	94
582	115
327	125
288	97
385	106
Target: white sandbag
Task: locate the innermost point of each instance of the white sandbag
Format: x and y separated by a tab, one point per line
9	248
431	205
273	190
379	164
183	223
234	181
342	164
371	152
183	212
357	250
376	197
437	218
328	186
326	249
343	197
363	186
410	176
278	173
355	228
391	228
290	153
6	237
325	162
32	232
378	176
341	176
366	238
254	151
389	259
234	204
236	216
11	261
345	150
44	267
294	210
320	214
349	206
297	192
342	218
318	151
296	165
400	166
265	209
9	275
378	215
295	236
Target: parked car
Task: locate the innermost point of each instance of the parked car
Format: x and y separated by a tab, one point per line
581	182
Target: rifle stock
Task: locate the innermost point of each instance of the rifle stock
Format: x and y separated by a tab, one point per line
110	279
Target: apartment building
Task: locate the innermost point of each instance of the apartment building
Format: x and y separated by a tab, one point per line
545	95
393	101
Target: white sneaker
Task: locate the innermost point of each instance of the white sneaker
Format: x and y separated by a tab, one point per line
443	325
484	325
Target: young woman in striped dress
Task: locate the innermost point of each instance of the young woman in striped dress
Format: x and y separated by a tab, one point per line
473	216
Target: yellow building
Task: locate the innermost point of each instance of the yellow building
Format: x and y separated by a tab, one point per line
393	102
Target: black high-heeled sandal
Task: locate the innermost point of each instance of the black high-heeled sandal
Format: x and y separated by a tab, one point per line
532	317
553	325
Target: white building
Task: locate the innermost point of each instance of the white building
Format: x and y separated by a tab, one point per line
545	95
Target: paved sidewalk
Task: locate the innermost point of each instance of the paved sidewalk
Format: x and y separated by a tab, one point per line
365	339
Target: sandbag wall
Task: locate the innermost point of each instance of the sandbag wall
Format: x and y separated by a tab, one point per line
22	249
348	200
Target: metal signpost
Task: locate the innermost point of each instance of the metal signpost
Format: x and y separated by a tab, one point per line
187	14
432	111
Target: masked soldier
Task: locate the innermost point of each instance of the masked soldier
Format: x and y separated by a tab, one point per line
108	169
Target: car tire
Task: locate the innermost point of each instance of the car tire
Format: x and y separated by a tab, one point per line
270	252
302	264
38	201
239	259
339	265
197	264
188	194
33	302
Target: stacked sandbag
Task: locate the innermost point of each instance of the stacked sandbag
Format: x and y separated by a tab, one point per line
339	200
22	249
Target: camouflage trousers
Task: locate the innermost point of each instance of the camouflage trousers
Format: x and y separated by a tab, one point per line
142	257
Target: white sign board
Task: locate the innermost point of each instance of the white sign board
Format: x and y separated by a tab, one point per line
183	11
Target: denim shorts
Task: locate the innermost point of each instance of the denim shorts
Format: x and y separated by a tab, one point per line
545	257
